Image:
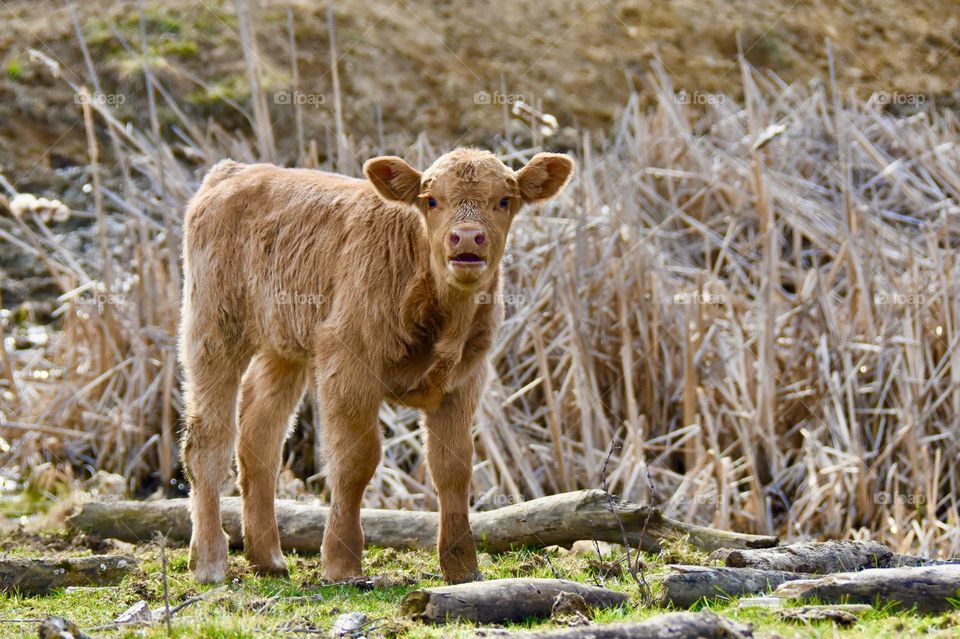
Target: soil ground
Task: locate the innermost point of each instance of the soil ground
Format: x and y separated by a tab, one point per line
447	68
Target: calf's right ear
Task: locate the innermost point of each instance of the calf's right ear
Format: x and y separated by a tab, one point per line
544	176
394	179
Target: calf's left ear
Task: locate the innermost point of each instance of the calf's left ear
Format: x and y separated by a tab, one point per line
394	179
544	176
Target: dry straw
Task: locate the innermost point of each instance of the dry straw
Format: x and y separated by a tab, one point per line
754	307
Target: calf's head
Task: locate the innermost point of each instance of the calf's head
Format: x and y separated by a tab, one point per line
468	199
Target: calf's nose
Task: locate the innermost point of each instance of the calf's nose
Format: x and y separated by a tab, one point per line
467	237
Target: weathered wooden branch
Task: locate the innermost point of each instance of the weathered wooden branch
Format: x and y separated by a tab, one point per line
555	520
929	588
686	585
500	600
904	561
39	576
813	557
674	625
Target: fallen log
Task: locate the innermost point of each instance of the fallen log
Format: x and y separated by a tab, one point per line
686	585
903	561
674	625
812	557
500	600
777	604
556	520
40	576
929	588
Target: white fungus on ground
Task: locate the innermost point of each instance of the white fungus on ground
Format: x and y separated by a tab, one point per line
24	203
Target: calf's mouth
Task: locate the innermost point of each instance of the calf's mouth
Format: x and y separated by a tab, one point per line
467	260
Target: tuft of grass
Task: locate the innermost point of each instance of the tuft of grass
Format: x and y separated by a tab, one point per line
14	70
232	87
182	48
680	551
25	503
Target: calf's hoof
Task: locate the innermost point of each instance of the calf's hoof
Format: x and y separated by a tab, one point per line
208	561
458	562
341	571
211	573
464	577
272	566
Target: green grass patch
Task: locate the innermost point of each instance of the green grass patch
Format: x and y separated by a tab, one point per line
14	69
260	607
253	606
168	35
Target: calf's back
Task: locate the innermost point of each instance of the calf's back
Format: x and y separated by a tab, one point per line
276	256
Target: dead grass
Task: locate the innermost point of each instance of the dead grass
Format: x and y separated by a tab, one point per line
754	305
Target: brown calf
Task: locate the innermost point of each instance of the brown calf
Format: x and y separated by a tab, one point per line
370	290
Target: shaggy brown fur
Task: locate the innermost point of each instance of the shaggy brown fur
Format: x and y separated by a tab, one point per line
369	290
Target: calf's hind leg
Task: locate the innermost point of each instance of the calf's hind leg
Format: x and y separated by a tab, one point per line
212	375
270	392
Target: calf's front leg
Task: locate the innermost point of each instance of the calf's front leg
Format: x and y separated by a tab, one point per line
352	452
450	457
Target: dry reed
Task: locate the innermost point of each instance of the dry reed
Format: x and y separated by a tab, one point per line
754	306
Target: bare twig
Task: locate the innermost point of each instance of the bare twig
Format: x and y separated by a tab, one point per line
343	153
162	539
636	571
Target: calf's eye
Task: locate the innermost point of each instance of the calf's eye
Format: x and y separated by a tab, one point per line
431	202
504	203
